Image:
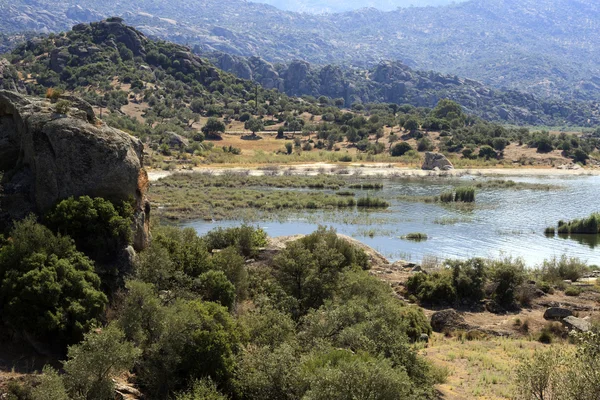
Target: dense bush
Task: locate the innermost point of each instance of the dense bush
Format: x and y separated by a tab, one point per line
400	149
246	238
48	288
99	229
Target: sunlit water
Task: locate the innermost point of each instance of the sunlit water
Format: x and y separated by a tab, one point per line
504	222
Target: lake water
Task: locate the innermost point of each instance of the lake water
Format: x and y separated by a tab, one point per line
504	222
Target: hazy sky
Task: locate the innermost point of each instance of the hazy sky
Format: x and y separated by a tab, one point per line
346	5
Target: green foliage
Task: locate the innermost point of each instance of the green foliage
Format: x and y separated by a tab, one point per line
92	364
372	202
174	257
246	238
587	226
50	386
62	107
465	194
214	286
141	314
487	152
506	274
204	389
99	229
213	128
266	373
342	375
558	269
196	340
254	125
458	281
572	291
400	149
48	288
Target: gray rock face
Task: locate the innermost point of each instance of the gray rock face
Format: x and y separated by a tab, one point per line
577	324
436	160
557	313
49	157
447	320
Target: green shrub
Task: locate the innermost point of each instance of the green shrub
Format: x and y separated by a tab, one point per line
204	389
573	291
99	229
48	288
196	340
399	149
557	270
507	274
94	363
246	238
62	107
214	286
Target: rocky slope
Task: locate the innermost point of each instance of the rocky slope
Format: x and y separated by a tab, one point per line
394	82
519	44
50	152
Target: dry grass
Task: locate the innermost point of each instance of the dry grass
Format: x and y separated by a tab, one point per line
479	369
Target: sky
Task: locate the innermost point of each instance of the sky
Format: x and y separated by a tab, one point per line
319	6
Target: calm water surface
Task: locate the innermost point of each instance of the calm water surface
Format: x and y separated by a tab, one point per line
504	222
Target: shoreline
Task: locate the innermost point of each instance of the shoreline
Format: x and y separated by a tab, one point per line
375	169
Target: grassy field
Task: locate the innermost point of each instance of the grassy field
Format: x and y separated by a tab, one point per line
479	369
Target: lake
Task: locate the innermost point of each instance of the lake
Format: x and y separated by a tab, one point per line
504	222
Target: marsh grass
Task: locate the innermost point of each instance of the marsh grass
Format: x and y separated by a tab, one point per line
372	202
415	236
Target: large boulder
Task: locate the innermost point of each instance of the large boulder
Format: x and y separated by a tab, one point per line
577	324
47	157
447	320
436	160
557	313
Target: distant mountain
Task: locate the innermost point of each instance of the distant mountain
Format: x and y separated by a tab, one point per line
394	82
334	6
546	47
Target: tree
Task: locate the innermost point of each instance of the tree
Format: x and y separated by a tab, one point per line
99	229
93	363
48	288
411	125
487	152
400	149
214	286
197	340
254	125
213	129
449	110
289	147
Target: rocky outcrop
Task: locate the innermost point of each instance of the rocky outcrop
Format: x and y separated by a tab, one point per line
577	324
436	160
48	157
447	320
557	313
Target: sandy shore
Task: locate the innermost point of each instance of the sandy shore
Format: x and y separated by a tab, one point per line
383	170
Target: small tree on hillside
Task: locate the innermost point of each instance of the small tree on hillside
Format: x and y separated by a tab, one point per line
213	129
254	125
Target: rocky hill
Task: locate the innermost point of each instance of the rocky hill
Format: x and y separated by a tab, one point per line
394	82
50	152
527	45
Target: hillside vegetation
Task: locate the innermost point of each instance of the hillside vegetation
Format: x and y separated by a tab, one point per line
174	101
